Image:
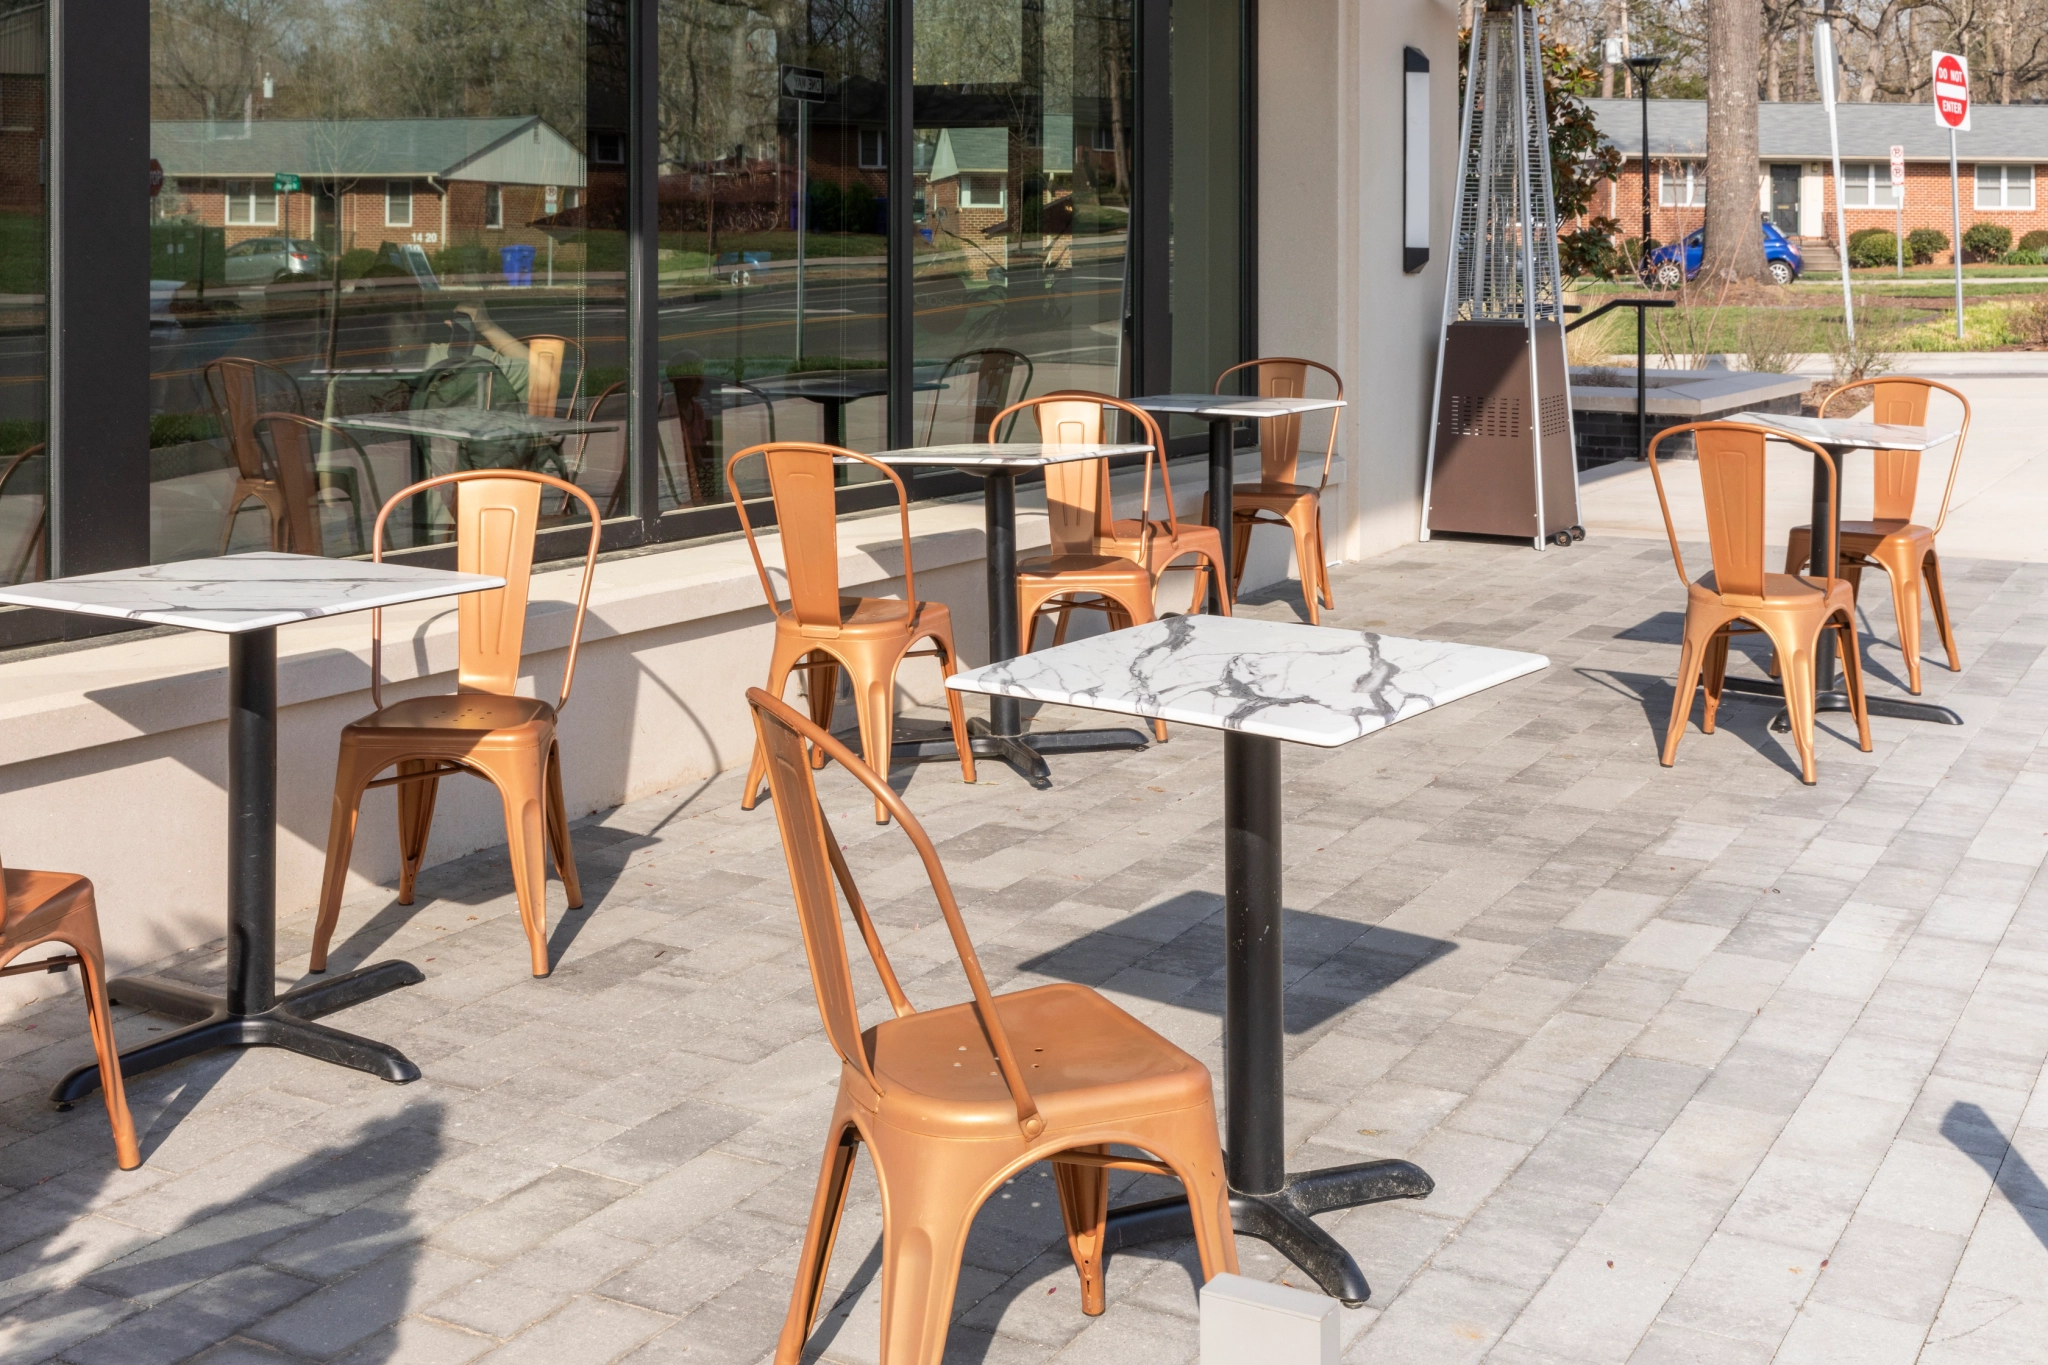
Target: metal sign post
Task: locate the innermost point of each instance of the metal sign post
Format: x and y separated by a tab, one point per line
807	87
1899	205
1952	109
1824	78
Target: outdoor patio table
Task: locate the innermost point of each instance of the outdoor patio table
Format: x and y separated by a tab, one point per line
1262	683
832	390
1222	413
464	426
1002	734
1840	439
247	597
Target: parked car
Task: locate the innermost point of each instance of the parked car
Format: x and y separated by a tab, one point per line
1781	258
262	260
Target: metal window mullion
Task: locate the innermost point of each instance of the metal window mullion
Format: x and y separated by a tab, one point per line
900	344
1248	182
1152	193
643	273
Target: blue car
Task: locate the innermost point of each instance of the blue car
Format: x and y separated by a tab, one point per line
1781	258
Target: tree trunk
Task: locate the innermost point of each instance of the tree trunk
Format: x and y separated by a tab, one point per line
1802	71
1735	243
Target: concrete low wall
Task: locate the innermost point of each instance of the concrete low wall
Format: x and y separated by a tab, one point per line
117	751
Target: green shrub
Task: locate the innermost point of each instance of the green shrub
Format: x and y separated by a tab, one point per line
1877	247
2020	258
1924	244
469	259
1987	241
2037	240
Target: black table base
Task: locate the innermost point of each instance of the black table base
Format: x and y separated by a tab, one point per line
1897	708
251	1013
1022	751
1267	1202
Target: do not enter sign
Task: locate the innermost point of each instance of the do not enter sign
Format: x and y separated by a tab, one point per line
1952	91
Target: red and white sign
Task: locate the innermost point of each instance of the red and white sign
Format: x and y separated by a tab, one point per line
1952	91
156	177
1898	167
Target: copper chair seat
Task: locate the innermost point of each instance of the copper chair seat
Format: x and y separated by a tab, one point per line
1114	569
1087	1063
464	712
1781	591
1273	496
886	615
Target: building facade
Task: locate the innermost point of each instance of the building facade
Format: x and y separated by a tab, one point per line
2002	164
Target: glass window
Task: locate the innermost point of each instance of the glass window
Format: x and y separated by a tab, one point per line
774	264
407	276
874	144
1682	185
1868	185
1203	284
2005	187
24	255
1022	241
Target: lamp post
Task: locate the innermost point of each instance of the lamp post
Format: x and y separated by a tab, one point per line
1644	67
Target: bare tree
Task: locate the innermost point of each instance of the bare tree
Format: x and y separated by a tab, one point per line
1735	246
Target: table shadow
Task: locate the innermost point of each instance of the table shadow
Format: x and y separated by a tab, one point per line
1973	1131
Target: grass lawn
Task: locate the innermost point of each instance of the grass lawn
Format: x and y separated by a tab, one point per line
780	246
1768	336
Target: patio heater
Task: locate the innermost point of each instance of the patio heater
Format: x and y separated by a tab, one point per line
1501	451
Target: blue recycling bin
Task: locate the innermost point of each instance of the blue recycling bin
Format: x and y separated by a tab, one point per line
517	264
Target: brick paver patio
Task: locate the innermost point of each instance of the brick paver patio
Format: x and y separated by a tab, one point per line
1707	1065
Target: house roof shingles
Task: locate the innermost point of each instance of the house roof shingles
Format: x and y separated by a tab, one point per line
1799	132
350	147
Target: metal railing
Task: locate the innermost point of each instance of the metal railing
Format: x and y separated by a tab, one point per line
1642	351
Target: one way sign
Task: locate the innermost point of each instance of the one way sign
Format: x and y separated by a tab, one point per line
803	83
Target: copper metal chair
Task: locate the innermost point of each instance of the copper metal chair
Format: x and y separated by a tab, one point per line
288	438
822	631
1891	540
548	358
36	548
952	1102
485	729
232	386
1080	572
993	369
1279	498
57	907
1790	610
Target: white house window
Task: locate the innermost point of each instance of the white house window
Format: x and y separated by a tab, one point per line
982	192
398	203
2005	187
1868	185
871	144
494	207
1682	186
252	203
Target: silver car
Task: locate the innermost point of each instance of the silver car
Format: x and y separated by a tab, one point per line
264	260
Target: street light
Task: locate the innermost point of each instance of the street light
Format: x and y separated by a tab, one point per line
1644	67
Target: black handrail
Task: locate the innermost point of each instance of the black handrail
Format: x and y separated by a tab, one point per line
1642	351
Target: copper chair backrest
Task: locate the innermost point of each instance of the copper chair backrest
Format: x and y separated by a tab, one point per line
1077	503
801	483
1731	463
37	546
1280	437
1902	400
497	516
993	368
231	387
291	451
810	850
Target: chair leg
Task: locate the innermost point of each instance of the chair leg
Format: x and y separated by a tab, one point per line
1208	1193
956	709
1716	672
415	822
826	1207
1323	564
779	668
875	702
559	843
92	970
1084	1208
925	1216
1800	681
1691	654
1307	562
518	777
821	691
352	774
1905	578
1938	599
1240	546
1852	675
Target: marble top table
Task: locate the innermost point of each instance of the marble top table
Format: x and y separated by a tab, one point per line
1002	734
247	597
1840	438
472	424
832	390
1263	683
1223	412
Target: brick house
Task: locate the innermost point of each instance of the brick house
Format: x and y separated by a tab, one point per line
430	182
2003	160
24	116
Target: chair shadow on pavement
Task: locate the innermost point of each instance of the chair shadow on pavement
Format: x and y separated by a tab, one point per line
1171	953
1973	1131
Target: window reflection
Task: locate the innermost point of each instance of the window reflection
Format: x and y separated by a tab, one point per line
1022	190
24	251
764	334
401	228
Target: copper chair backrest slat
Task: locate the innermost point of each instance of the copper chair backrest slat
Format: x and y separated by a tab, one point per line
544	376
1077	492
1280	437
231	387
497	516
800	480
1732	465
808	843
292	453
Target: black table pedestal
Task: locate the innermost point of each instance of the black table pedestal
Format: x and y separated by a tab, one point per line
1266	1201
1002	735
1222	478
1826	535
251	1013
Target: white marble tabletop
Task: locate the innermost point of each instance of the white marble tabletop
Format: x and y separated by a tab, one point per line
1015	455
471	424
1836	434
1308	684
1219	405
235	593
